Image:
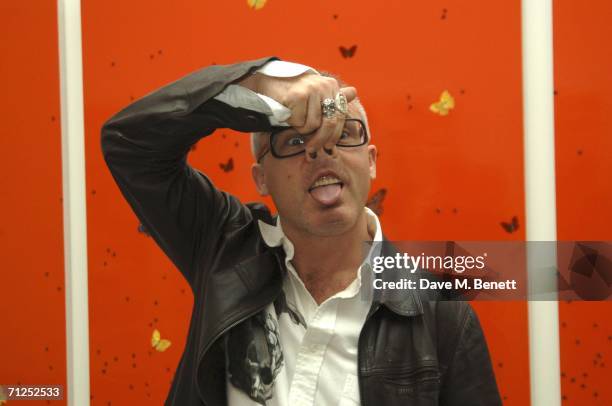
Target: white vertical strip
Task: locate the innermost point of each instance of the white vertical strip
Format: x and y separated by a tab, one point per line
540	199
75	224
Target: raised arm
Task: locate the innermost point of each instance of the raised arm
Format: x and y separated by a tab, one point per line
145	147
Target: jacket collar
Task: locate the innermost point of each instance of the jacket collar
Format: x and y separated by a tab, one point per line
259	279
403	302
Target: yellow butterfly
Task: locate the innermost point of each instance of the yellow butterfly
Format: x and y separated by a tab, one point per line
160	344
256	4
446	103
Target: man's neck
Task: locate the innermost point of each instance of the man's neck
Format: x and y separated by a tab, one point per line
327	265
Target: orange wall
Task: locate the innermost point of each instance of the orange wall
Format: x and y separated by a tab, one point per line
583	122
454	177
32	338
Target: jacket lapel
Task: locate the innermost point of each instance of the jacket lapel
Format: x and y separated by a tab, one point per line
235	293
233	296
405	302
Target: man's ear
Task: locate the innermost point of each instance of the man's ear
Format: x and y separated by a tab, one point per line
259	179
372	154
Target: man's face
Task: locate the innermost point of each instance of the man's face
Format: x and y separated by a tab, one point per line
304	202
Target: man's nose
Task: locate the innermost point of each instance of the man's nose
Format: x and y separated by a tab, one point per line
325	152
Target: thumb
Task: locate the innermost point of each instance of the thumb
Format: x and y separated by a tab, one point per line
350	92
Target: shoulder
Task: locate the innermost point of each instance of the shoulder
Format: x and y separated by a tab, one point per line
456	329
450	312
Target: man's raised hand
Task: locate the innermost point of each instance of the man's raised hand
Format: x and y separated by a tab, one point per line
303	95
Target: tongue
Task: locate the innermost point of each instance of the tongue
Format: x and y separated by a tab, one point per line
326	195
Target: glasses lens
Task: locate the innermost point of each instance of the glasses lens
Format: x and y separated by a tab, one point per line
289	142
353	134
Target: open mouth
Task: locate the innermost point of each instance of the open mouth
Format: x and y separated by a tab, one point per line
326	190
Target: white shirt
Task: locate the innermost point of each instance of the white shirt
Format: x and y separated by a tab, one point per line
319	360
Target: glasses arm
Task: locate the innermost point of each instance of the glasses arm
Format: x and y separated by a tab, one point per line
260	157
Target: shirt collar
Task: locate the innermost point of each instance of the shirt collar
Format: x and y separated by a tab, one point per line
274	236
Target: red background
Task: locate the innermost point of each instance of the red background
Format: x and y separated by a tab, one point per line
455	177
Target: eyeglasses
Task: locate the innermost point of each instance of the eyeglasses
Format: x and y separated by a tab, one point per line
287	142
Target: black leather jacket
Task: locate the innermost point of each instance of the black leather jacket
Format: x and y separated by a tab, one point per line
411	352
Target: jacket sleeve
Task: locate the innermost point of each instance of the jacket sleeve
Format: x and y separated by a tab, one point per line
469	379
145	147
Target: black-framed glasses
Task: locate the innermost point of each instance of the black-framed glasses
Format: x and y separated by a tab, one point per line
286	142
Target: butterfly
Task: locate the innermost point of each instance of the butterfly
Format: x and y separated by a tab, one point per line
348	52
256	4
160	344
374	203
444	105
512	226
229	166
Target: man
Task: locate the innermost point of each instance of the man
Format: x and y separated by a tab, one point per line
280	311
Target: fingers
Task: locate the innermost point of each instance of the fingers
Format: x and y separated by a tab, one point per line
297	102
349	92
329	144
313	115
330	131
305	99
325	137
